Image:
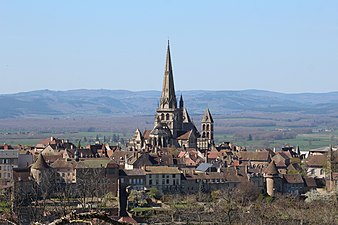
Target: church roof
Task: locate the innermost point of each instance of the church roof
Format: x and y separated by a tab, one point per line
185	136
146	134
207	116
137	135
161	129
40	163
186	117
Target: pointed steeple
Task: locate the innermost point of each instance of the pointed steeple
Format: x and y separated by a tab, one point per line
181	102
168	97
207	116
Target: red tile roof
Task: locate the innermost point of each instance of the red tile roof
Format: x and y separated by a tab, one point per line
255	156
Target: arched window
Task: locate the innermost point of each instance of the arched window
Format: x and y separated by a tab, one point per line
162	116
167	116
203	135
207	126
203	127
207	134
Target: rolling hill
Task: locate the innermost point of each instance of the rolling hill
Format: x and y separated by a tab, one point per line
47	103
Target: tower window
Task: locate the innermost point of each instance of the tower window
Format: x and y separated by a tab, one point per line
208	135
167	116
207	126
203	127
162	116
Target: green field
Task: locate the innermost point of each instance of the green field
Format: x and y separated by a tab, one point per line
304	141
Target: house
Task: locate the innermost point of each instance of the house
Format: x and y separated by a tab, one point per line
316	164
101	174
66	170
206	167
9	159
282	162
227	179
164	178
293	184
134	179
139	159
54	144
259	159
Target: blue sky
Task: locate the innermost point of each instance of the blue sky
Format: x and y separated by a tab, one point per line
285	46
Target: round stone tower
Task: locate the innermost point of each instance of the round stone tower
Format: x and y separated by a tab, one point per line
39	168
271	176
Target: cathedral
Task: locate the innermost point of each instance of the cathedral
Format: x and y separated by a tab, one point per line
173	126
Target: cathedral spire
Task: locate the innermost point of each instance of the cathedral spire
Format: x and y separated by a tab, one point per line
168	97
181	102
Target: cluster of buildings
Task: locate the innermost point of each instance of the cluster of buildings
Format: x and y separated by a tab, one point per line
173	157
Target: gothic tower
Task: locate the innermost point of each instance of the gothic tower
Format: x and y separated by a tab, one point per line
167	113
207	126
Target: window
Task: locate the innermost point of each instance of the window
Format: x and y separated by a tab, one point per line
174	175
167	116
162	116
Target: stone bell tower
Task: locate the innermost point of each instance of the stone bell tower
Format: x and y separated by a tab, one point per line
207	126
167	112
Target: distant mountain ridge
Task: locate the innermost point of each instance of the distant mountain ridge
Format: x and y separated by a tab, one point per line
102	102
